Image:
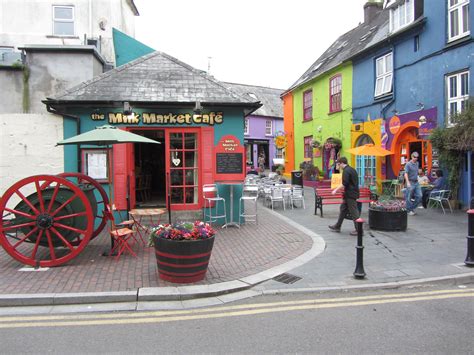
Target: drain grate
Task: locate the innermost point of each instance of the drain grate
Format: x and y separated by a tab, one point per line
287	278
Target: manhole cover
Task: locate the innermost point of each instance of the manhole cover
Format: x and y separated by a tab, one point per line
287	278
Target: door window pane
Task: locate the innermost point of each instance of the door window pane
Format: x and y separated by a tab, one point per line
176	141
190	141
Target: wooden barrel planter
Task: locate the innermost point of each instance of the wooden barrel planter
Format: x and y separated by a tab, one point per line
387	220
183	261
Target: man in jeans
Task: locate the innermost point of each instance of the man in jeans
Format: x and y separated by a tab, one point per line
413	189
350	182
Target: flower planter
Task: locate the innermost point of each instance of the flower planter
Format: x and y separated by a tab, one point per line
387	220
183	261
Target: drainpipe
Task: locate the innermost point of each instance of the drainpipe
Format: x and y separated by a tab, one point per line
78	129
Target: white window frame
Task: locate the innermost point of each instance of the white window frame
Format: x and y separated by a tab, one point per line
247	126
456	98
268	127
459	8
64	20
401	15
383	75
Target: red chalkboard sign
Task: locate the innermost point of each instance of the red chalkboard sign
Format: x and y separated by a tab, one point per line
230	161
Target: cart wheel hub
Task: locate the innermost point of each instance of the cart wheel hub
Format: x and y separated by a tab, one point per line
44	221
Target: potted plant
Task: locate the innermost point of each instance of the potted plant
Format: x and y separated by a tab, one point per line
388	215
182	250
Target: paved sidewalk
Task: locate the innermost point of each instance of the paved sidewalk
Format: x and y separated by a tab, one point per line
295	242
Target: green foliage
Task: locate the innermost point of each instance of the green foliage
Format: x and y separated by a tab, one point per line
310	172
453	142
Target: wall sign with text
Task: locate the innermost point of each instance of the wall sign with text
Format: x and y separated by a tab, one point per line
151	118
230	159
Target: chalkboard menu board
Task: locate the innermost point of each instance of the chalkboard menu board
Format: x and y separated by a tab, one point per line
229	163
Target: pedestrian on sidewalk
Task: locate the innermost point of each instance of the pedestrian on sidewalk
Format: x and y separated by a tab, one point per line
350	183
413	194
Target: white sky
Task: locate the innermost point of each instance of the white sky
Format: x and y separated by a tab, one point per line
257	42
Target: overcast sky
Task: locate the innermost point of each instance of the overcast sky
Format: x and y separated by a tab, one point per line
257	42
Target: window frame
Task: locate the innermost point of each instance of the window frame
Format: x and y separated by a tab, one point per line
459	99
459	7
408	9
384	76
307	148
246	126
64	20
308	105
335	97
268	127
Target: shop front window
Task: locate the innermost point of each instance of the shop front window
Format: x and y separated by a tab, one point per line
184	172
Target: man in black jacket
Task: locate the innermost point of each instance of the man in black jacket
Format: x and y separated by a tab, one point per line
350	182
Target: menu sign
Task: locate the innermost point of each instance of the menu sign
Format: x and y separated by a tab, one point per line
230	161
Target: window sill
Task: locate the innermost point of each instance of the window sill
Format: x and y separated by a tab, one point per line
383	97
333	112
60	36
459	41
307	120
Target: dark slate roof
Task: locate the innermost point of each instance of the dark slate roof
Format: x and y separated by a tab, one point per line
345	47
154	78
269	97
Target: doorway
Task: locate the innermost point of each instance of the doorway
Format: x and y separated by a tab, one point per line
150	170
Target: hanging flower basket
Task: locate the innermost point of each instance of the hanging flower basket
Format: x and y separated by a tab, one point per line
315	143
182	250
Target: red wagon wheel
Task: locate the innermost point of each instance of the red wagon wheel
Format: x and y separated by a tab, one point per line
101	202
47	211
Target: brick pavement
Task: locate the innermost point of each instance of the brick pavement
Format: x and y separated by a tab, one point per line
237	253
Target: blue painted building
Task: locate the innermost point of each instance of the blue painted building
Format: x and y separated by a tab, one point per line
411	75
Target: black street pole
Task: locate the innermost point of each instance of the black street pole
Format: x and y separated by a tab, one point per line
359	272
470	239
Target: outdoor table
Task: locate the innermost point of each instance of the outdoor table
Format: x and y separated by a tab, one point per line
231	184
153	214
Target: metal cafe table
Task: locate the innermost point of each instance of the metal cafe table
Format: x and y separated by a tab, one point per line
231	184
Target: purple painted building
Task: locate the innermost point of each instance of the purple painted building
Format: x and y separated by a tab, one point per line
263	125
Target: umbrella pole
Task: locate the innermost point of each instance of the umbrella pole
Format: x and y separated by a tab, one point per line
111	204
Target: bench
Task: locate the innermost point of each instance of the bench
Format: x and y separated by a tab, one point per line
324	196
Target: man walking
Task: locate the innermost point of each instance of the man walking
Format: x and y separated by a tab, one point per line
350	182
413	188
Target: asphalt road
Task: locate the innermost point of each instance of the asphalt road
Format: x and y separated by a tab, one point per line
435	320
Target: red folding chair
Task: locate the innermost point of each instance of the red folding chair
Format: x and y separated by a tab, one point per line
122	235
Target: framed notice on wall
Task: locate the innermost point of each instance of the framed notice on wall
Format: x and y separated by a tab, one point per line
230	159
94	164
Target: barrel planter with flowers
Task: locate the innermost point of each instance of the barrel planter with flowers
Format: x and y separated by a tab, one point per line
388	215
182	250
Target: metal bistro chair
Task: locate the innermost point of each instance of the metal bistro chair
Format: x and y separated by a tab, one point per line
438	197
276	195
212	200
250	194
297	195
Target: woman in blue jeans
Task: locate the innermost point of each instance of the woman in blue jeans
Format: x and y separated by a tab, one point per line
413	188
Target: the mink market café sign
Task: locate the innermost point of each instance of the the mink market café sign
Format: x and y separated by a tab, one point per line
210	118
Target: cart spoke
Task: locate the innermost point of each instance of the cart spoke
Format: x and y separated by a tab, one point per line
21	213
35	210
64	240
68	201
35	249
50	244
77	230
79	214
53	198
34	230
16	226
39	191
